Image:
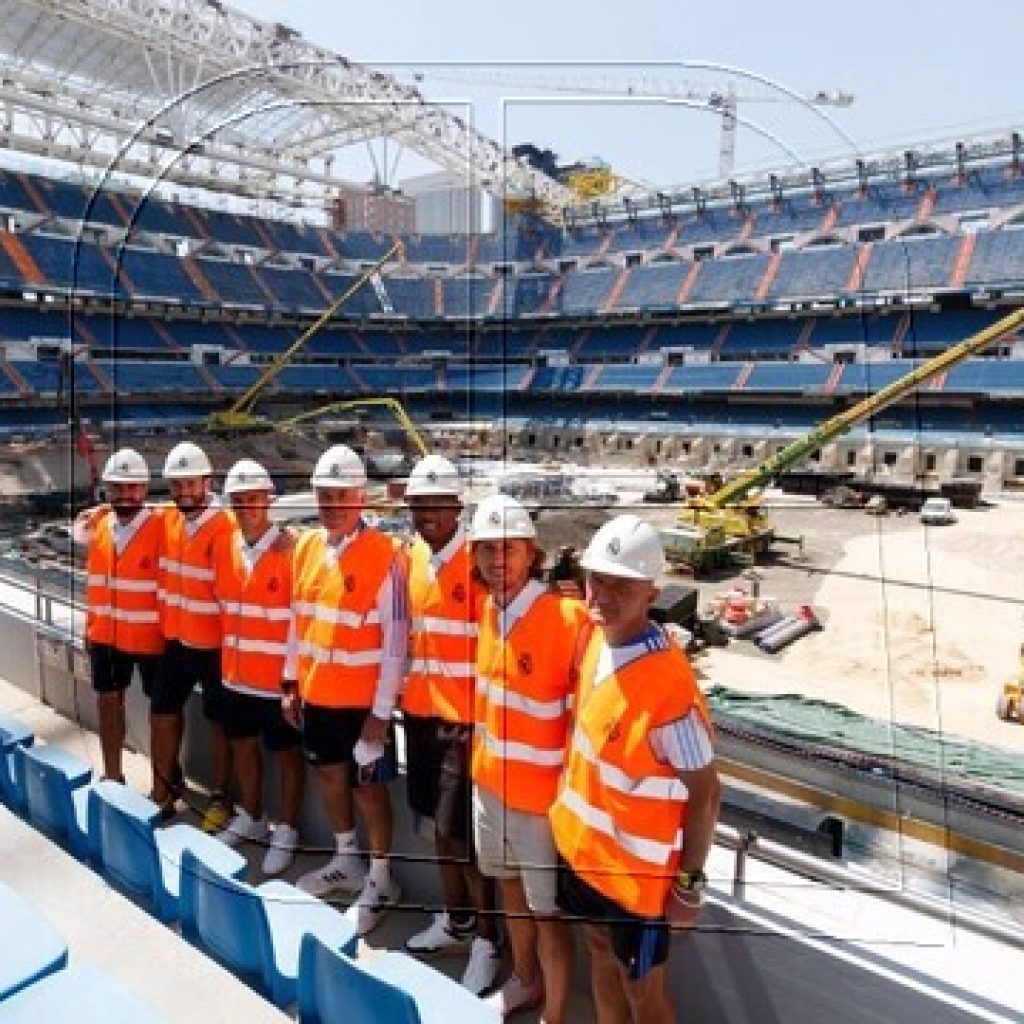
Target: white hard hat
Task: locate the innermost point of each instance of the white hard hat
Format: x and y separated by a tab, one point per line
186	460
126	466
339	466
500	517
247	475
433	474
626	546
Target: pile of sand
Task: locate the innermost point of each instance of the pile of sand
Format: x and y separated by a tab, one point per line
923	627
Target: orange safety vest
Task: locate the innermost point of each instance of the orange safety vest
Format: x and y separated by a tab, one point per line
121	590
619	816
191	611
336	619
524	692
256	615
444	607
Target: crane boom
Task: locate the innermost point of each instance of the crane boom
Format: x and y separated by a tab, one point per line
736	490
239	416
396	407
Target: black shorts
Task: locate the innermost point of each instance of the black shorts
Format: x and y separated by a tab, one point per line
113	669
329	736
181	668
248	717
437	756
639	943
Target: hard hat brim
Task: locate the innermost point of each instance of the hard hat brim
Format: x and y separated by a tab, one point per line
606	567
433	491
123	478
338	483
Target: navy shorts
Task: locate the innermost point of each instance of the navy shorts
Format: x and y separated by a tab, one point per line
249	717
639	943
329	736
181	668
112	669
437	756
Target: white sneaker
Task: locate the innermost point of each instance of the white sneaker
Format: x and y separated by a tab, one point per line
484	964
373	903
514	995
242	828
438	939
281	850
344	872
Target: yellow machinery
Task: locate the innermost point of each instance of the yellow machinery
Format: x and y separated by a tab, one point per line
735	507
240	416
395	406
1010	705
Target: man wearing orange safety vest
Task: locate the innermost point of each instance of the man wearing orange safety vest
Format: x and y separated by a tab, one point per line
122	630
635	814
348	661
199	535
255	591
445	600
526	654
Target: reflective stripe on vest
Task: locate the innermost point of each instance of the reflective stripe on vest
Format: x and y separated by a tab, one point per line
619	817
190	610
256	617
122	591
443	606
524	690
337	625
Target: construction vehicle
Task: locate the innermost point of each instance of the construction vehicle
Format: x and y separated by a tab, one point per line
667	489
240	416
1010	705
735	507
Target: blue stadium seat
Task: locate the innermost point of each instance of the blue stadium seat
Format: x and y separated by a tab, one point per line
654	286
906	264
819	271
389	988
143	861
12	734
81	995
32	948
627	378
585	291
257	932
998	258
56	785
729	280
799	377
702	377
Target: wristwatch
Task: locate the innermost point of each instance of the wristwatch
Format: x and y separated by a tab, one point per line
692	881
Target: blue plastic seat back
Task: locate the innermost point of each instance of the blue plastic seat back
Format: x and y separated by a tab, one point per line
124	825
49	775
12	734
334	988
32	948
80	995
224	917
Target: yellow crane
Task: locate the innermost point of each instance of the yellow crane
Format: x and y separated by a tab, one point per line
240	415
392	404
735	507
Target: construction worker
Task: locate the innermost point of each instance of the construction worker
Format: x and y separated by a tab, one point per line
122	630
348	661
529	638
199	536
255	591
636	811
445	600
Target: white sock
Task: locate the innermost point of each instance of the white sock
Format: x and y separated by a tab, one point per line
379	871
346	842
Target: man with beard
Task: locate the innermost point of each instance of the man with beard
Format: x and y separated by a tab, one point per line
122	630
445	600
198	538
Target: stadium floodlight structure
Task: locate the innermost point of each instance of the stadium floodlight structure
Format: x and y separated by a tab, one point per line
128	84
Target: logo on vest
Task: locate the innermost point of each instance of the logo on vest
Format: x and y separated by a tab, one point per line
350	583
614	732
144	563
526	663
274	585
459	593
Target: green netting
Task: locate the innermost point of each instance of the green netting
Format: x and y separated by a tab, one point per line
822	722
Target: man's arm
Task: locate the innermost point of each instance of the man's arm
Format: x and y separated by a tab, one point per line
393	608
705	794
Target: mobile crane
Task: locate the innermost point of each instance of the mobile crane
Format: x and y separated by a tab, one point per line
240	416
734	510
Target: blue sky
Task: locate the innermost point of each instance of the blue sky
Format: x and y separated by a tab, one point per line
919	70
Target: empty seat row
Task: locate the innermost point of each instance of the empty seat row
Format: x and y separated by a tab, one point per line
284	943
